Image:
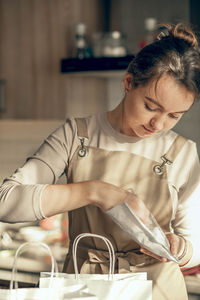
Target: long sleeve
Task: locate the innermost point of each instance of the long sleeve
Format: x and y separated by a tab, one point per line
20	194
187	219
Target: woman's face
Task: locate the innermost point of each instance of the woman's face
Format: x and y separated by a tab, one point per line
154	107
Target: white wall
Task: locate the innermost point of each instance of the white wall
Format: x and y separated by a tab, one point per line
189	125
19	139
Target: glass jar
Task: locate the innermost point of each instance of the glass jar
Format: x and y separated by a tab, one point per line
114	44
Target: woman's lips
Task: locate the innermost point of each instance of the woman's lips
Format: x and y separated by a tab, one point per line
148	130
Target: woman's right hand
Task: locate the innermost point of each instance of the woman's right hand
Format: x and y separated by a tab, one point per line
105	195
139	208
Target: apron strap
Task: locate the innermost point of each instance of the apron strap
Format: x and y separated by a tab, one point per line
169	157
175	148
81	127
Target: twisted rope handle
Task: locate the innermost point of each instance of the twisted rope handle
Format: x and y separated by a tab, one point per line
22	248
110	250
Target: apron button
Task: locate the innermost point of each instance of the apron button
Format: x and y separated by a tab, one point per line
82	152
158	170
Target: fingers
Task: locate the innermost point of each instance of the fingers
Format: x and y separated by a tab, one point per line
139	208
147	252
177	244
173	243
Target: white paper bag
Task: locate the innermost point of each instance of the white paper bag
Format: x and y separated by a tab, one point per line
79	295
129	286
31	293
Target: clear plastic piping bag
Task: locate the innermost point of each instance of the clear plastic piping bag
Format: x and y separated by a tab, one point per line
138	222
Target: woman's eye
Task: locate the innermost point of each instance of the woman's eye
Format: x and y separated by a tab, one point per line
173	116
148	107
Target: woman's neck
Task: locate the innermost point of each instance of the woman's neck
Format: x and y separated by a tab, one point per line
115	117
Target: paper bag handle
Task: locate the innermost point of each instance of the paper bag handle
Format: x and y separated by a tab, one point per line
110	250
22	248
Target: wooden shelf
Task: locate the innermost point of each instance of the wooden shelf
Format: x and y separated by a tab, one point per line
98	74
103	67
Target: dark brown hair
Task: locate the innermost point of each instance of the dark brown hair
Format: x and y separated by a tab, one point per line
175	53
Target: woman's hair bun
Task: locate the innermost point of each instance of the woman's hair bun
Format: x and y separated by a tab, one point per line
181	31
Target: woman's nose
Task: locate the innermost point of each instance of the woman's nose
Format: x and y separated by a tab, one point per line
158	122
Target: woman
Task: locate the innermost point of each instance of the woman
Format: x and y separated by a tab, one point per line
131	147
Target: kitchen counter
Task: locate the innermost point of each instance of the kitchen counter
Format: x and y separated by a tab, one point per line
29	265
23	278
29	271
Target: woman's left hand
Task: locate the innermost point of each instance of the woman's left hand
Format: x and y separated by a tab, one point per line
177	246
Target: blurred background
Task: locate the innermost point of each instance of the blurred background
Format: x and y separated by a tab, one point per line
43	79
35	35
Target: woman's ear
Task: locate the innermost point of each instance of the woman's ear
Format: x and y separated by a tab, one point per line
128	82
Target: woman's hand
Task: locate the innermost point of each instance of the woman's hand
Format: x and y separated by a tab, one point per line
106	195
177	247
139	208
177	244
